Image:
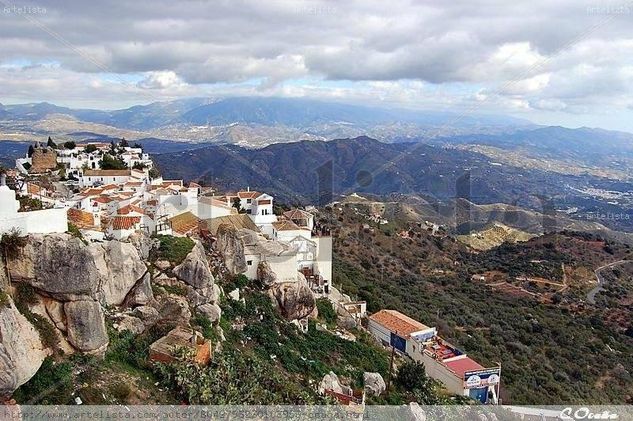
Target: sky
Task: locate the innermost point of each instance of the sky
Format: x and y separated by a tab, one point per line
558	62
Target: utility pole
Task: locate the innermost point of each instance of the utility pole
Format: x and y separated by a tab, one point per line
393	352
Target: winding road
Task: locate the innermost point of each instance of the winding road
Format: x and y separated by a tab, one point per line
591	295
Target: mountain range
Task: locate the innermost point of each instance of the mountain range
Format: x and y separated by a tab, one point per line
249	121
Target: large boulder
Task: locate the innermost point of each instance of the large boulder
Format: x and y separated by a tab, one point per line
143	244
266	276
67	269
173	309
330	382
294	299
86	325
142	293
213	312
124	267
194	270
21	350
231	248
374	383
131	323
60	265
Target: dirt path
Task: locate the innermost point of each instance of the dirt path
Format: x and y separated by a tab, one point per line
591	295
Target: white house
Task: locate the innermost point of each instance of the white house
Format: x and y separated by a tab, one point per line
258	206
90	178
45	221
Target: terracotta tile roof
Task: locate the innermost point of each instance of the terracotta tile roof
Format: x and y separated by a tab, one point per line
294	214
239	221
32	188
286	226
462	365
264	202
103	199
248	194
92	192
106	173
124	222
125	210
80	218
397	322
194	185
184	223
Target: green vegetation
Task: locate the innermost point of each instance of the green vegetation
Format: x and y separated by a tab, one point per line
326	311
70	145
4	300
174	249
28	204
108	162
153	173
25	296
11	244
51	385
74	231
90	148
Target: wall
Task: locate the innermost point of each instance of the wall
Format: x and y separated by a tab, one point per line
438	371
324	256
284	266
45	221
380	332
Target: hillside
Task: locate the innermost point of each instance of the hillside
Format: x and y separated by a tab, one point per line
529	310
293	172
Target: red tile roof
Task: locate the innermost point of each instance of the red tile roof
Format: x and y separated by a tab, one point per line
125	210
397	322
80	218
184	223
248	194
462	365
286	226
124	222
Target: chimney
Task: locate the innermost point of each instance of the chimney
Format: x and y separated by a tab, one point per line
3	179
248	188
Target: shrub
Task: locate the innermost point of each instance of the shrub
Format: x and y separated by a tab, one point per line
174	249
51	385
326	311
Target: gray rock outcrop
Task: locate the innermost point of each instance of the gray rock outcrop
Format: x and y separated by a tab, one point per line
60	265
86	325
67	269
265	274
21	350
194	270
330	382
231	248
374	383
213	312
294	299
142	293
124	267
132	324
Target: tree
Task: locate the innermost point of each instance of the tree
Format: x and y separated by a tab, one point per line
139	166
51	144
153	173
11	244
110	163
90	148
237	204
31	151
70	145
124	143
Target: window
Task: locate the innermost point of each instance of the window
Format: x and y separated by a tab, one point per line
248	201
249	262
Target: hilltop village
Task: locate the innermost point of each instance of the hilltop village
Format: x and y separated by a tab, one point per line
106	209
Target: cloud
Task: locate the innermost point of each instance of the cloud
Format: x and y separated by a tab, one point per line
505	56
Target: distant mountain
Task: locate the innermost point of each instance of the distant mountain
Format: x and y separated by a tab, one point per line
602	152
261	111
302	171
